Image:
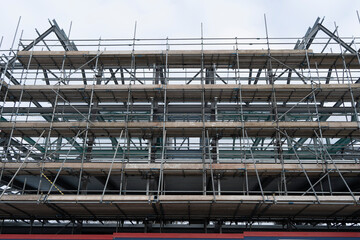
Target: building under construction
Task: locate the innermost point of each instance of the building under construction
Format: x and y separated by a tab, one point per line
180	135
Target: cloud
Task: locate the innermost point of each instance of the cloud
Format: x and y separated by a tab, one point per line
162	18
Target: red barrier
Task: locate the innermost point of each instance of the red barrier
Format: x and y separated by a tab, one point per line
56	236
178	235
181	235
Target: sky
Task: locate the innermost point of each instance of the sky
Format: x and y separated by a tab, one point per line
176	18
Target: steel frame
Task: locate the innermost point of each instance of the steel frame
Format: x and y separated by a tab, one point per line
167	131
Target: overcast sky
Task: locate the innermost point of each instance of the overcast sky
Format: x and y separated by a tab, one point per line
176	18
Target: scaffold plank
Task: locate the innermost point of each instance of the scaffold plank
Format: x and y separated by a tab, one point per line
183	92
175	206
146	129
99	168
185	58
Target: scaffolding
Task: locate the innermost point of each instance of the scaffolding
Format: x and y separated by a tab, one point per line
180	134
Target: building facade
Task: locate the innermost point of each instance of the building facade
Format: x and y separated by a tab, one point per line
180	135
